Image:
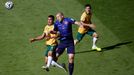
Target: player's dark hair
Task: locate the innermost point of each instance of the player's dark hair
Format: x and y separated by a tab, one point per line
51	16
88	5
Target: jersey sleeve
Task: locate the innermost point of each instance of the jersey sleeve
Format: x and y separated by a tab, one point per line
71	20
45	30
82	17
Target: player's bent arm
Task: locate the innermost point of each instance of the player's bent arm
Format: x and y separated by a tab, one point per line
78	23
89	25
55	37
53	32
38	38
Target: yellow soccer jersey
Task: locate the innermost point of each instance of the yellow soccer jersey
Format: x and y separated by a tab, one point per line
51	41
86	18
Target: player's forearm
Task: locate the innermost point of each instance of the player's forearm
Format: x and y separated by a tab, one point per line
38	38
53	37
78	23
86	24
89	25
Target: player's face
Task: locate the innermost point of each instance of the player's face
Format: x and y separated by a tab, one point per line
59	17
87	9
50	21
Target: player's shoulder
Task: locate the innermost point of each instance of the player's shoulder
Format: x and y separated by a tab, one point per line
56	22
46	26
52	26
84	14
69	19
66	18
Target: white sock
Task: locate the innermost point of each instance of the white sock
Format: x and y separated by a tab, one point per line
49	61
56	64
75	42
94	41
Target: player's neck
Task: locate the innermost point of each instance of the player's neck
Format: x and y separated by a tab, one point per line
61	20
50	24
88	13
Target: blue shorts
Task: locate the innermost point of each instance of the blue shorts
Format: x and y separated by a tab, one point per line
69	45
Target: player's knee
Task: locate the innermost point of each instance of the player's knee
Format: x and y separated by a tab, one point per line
95	35
50	53
71	58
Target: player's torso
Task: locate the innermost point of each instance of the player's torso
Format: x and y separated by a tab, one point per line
52	41
85	18
64	27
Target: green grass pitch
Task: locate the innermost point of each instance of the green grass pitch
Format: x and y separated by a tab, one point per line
115	25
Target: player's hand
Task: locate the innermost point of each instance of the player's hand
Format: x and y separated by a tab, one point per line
32	40
92	26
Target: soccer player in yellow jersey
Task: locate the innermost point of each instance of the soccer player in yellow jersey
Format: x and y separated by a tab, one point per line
51	43
86	20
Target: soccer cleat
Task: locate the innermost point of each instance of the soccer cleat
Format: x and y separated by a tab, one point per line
64	67
46	68
96	48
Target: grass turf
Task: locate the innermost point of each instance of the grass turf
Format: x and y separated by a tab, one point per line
28	17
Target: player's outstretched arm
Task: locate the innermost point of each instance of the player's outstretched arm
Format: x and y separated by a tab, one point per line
38	38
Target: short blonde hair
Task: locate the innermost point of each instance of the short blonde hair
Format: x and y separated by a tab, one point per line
60	13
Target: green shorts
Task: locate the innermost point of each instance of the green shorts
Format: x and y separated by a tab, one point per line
80	36
50	48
